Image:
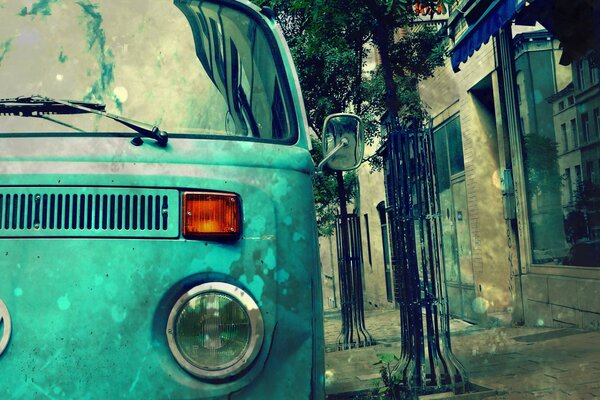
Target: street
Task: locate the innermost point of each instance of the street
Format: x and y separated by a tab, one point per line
512	362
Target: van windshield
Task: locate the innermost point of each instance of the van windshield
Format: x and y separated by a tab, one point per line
196	68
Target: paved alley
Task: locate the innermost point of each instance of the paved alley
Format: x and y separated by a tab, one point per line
516	362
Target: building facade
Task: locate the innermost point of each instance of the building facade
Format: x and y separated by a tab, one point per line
516	119
531	161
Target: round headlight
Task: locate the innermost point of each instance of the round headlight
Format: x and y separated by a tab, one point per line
215	330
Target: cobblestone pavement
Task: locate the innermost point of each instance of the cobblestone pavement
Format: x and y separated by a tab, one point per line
383	325
518	362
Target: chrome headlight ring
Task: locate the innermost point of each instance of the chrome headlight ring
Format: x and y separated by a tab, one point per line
4	322
198	329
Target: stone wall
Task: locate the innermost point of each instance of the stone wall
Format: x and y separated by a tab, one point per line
563	297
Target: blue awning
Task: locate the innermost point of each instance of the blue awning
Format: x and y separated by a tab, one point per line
494	18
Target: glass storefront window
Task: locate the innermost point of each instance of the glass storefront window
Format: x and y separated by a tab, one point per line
562	163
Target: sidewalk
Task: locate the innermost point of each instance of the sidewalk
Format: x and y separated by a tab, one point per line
518	362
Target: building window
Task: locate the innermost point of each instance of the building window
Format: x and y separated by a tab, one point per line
574	134
455	147
589	171
368	241
561	167
569	185
563	201
386	252
519	93
593	71
585	127
461	26
581	74
597	121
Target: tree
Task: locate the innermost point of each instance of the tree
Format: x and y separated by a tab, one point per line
329	44
328	41
329	55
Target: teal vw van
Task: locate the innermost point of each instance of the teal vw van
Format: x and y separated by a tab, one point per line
157	229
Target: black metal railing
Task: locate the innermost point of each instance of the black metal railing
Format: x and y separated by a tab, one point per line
354	332
427	362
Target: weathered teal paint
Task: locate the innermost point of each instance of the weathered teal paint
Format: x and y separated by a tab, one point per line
97	306
62	57
96	39
5	48
40	7
89	313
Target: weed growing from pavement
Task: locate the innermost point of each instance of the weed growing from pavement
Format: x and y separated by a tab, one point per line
391	379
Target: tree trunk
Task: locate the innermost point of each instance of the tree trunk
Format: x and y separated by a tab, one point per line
383	36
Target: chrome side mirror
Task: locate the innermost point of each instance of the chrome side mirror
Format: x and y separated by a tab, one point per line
343	142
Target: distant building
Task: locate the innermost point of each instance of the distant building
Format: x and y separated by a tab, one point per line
539	76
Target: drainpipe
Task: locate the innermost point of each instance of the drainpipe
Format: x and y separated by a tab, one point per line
520	225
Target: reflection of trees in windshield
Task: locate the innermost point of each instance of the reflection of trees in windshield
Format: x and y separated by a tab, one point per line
41	7
96	39
239	61
140	59
4	48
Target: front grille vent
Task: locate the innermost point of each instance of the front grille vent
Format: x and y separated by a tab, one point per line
88	212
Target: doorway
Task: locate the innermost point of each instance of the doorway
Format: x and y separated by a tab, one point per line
456	231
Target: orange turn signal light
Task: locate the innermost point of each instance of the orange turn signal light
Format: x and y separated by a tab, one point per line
212	216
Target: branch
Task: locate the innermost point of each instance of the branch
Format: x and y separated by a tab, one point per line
315	129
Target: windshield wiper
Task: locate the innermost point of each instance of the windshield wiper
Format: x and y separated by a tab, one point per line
40	106
32	106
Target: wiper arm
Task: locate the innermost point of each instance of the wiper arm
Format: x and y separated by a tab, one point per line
144	129
37	106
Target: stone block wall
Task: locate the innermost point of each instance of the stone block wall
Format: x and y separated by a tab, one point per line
562	300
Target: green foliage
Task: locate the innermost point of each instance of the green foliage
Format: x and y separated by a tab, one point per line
541	164
391	378
417	53
329	44
327	48
580	220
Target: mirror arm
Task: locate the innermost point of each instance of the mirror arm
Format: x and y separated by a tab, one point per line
337	148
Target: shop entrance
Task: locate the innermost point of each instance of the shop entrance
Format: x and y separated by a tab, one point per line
456	233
